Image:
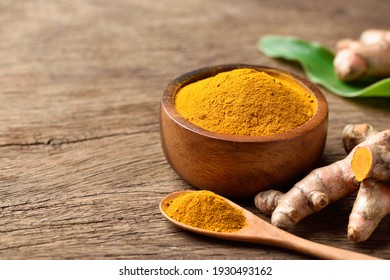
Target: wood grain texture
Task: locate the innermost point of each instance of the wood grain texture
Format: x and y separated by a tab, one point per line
82	170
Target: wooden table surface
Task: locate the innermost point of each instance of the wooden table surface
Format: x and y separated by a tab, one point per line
82	171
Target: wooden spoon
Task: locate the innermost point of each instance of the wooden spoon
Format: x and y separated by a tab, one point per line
261	232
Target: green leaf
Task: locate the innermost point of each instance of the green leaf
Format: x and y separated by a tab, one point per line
317	62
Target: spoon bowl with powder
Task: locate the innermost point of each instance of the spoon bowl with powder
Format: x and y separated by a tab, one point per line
253	230
239	129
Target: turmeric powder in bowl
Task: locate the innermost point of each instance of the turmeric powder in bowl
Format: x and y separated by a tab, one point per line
245	102
243	157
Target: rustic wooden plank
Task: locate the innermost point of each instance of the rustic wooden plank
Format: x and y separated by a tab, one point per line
82	170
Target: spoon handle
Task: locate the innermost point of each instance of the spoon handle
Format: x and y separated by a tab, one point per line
261	232
287	240
327	252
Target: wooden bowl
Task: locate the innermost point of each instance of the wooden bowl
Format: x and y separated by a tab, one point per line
240	166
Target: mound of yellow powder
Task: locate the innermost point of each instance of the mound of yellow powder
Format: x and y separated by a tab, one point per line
206	210
245	102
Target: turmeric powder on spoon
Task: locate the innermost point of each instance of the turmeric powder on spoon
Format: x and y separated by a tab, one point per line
206	210
245	102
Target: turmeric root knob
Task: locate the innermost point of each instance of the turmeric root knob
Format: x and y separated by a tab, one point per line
314	192
266	201
371	162
330	183
368	56
318	199
354	134
372	204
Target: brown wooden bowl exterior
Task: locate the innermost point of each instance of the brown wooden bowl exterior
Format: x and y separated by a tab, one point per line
240	166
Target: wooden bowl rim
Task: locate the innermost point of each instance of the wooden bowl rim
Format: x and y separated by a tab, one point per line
167	104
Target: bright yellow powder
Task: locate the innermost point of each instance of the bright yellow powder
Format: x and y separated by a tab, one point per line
245	102
206	210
